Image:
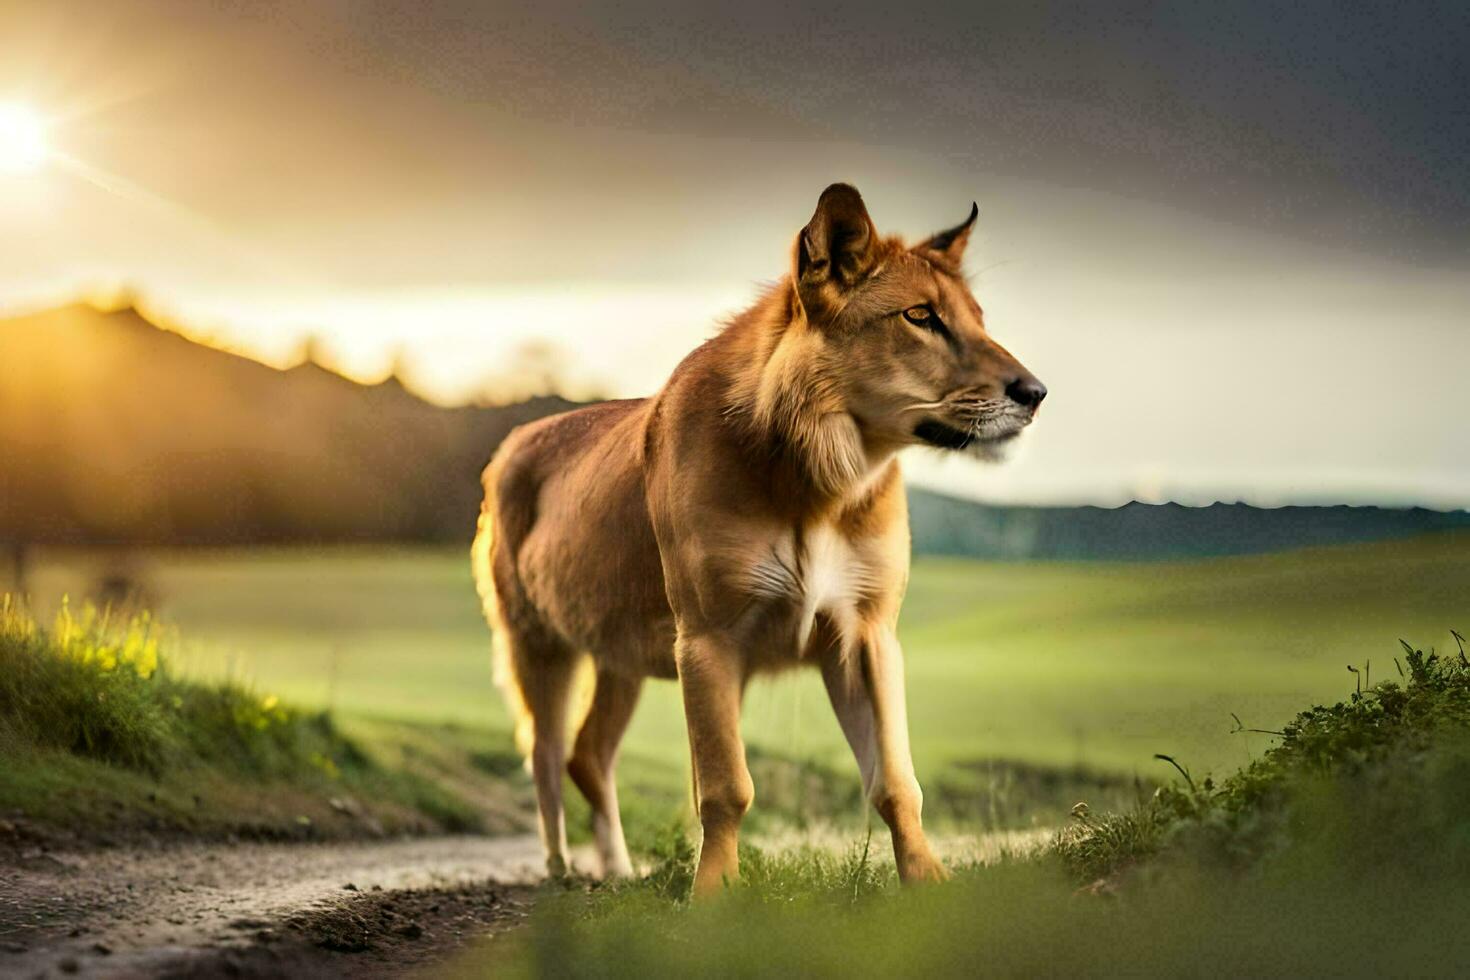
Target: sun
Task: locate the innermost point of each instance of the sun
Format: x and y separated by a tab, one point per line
23	148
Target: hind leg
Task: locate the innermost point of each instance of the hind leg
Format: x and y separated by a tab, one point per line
594	758
545	672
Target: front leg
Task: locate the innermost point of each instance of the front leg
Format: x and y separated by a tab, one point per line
874	716
712	679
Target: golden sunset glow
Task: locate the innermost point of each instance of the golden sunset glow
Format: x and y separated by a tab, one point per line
441	200
23	144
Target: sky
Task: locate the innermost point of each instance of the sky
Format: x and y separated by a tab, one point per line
1233	239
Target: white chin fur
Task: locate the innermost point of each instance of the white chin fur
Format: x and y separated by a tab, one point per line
993	450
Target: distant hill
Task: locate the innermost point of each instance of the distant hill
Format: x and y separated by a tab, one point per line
113	430
944	525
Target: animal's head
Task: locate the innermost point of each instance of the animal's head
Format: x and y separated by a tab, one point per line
904	336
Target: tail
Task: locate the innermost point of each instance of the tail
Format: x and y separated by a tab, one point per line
501	659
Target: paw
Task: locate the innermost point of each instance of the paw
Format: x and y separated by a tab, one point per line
922	867
621	868
712	881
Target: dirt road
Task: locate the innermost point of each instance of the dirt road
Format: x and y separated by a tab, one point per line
188	909
365	910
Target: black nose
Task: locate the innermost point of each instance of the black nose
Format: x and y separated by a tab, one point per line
1026	391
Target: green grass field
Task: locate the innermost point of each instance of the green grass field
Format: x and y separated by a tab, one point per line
1341	852
1053	664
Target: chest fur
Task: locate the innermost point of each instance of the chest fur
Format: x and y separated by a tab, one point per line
819	573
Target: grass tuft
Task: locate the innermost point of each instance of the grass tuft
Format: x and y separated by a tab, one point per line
1343	755
99	690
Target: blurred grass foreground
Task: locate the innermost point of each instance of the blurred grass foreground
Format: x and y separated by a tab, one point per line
1343	851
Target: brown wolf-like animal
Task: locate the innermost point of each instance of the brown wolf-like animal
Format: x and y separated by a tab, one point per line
748	517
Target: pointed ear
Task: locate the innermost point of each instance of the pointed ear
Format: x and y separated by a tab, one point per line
838	246
951	243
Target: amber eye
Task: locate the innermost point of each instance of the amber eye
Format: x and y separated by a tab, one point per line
920	316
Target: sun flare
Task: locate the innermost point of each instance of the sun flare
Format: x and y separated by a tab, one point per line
23	148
